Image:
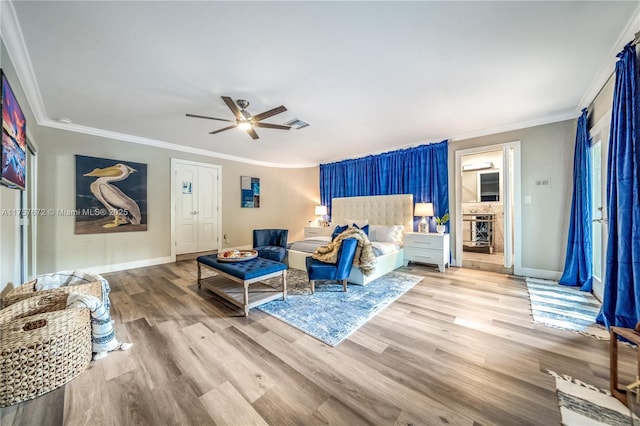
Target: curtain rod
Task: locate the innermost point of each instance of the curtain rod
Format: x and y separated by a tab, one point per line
635	41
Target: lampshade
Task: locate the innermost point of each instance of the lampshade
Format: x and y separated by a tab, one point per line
424	209
321	210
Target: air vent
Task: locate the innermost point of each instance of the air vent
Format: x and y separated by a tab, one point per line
296	123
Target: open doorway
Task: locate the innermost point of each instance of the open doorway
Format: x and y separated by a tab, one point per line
485	206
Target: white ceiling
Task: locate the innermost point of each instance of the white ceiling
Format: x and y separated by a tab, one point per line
369	77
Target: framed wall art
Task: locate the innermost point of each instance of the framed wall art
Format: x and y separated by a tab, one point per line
111	195
250	192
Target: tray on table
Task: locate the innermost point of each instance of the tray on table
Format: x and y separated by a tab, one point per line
237	255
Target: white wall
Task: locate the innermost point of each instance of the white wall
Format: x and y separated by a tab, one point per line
288	197
547	152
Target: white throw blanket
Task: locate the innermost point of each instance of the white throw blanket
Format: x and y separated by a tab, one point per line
103	338
73	277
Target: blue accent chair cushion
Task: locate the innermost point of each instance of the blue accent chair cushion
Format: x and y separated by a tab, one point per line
271	243
320	271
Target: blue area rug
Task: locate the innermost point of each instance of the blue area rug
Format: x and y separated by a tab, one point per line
563	307
331	315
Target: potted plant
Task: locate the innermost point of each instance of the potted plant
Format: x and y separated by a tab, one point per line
440	221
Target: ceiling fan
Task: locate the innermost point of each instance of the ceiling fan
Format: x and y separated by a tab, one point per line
244	120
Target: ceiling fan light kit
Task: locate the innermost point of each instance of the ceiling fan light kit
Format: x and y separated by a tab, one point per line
245	125
244	120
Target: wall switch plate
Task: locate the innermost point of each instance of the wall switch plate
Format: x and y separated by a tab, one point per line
543	182
527	199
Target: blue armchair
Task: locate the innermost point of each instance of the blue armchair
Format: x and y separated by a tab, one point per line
319	271
271	243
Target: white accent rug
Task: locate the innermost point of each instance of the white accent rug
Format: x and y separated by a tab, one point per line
563	307
582	404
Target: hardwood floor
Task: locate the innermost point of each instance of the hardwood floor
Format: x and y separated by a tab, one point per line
459	348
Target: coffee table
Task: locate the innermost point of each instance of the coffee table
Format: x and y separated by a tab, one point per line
247	273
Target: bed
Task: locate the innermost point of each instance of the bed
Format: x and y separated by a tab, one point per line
383	210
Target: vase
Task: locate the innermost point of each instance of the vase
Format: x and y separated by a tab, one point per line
440	229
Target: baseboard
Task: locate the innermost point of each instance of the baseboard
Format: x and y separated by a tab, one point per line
538	273
129	265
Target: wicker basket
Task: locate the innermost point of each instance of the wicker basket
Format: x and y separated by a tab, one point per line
28	289
42	346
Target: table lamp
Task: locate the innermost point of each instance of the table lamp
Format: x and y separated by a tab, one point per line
424	210
322	212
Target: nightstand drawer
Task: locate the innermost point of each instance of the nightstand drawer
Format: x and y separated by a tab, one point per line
424	256
424	241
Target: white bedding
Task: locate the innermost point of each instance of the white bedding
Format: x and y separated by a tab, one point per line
386	248
308	245
384	210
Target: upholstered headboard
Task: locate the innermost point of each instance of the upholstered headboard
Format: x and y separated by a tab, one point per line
378	209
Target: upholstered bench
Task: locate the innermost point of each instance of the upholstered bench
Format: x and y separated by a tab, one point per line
247	272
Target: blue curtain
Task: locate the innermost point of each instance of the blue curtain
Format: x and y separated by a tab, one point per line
577	266
421	171
621	304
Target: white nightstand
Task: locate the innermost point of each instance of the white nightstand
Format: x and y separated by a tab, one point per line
311	231
426	248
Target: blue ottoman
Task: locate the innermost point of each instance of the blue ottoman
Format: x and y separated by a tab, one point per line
246	273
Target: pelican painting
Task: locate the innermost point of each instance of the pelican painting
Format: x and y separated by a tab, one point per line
107	192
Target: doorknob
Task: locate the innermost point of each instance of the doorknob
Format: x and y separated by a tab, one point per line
194	212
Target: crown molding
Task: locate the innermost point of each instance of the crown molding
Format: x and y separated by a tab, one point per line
164	145
569	115
609	64
19	55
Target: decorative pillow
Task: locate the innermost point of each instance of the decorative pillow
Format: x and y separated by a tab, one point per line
386	234
364	228
356	222
339	230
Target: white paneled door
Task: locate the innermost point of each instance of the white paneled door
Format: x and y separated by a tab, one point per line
599	153
197	212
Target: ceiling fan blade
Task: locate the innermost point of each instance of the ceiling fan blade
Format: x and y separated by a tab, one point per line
253	134
223	129
233	107
208	118
272	126
271	112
